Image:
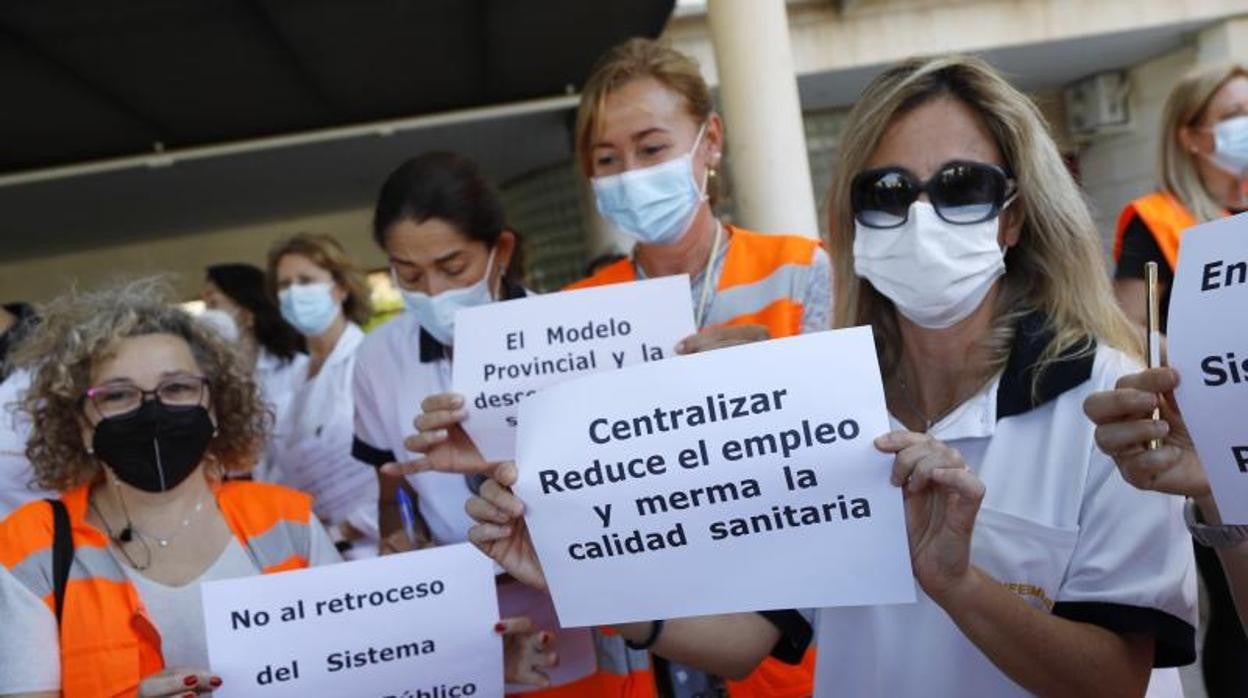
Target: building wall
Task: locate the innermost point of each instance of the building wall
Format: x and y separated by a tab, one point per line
184	257
1116	169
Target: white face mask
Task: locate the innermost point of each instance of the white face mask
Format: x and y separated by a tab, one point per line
656	204
935	273
1230	146
309	308
436	314
220	322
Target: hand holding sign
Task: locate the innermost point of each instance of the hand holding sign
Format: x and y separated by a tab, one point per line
694	468
942	498
1125	427
501	532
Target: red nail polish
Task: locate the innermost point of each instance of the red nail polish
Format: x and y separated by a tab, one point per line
499	627
215	681
190	681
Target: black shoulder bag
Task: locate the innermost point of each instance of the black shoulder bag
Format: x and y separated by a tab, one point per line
62	553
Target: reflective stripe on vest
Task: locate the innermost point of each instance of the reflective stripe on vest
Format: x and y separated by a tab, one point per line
1165	217
763	281
108	643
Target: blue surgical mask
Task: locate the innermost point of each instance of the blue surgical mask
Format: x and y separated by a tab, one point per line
655	204
436	314
309	308
1230	146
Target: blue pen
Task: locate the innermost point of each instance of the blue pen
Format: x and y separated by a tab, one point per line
407	511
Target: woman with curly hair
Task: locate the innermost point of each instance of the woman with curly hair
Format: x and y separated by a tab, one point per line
138	413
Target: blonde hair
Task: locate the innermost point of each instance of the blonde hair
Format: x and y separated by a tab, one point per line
636	59
326	253
1185	107
1057	266
78	331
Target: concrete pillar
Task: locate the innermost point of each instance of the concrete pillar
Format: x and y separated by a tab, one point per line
762	116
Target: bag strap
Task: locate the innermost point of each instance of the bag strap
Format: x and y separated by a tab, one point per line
62	552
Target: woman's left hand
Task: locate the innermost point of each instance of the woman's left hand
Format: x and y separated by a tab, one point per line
721	336
526	652
942	499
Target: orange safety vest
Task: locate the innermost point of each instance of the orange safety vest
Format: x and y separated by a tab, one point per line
762	283
108	642
1165	217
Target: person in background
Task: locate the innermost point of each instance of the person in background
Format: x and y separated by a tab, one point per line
324	295
1203	177
648	139
962	240
1124	429
16	321
274	349
442	228
16	477
603	261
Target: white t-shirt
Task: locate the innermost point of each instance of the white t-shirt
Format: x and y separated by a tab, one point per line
1058	524
311	451
277	382
396	367
30	658
15	472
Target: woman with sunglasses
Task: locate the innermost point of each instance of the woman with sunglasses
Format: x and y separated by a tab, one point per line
961	238
1204	176
138	414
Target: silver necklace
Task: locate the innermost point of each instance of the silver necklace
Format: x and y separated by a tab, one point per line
186	523
158	540
914	407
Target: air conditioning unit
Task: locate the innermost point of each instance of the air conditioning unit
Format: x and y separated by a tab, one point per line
1097	105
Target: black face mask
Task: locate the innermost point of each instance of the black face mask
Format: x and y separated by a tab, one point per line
154	448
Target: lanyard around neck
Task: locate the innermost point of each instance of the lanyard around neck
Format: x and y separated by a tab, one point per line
706	275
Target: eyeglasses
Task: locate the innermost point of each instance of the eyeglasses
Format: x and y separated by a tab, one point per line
121	398
962	193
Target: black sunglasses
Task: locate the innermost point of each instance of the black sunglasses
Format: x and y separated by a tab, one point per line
962	193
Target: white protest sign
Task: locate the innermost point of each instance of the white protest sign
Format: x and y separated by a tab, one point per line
504	352
739	479
1208	344
414	625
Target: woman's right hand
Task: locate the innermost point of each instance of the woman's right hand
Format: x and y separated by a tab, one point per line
500	531
1125	425
441	439
179	682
